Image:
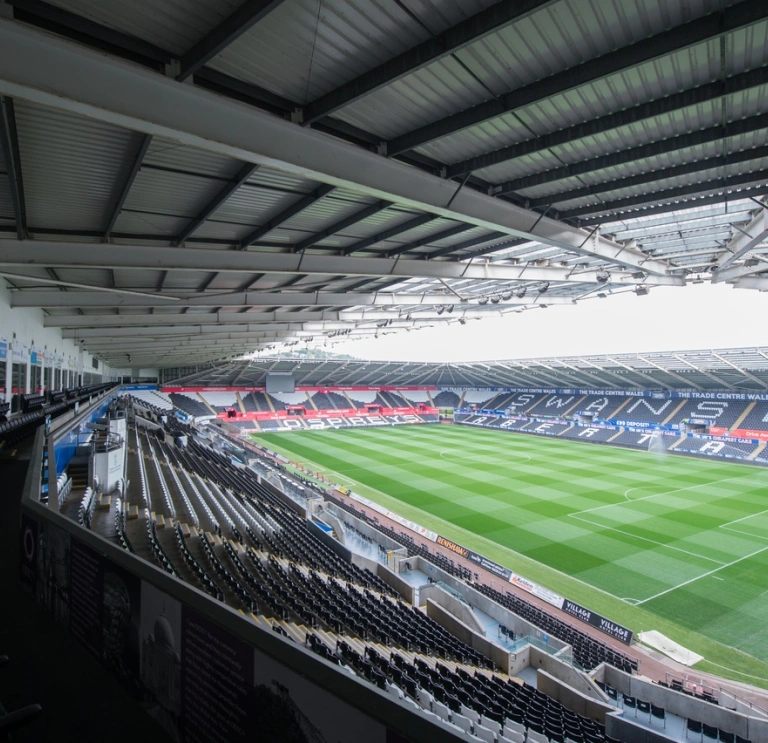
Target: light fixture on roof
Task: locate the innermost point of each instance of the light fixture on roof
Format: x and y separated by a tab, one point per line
603	277
638	275
751	262
496	299
462	321
602	295
483	300
440	310
506	296
641	291
520	293
542	288
449	308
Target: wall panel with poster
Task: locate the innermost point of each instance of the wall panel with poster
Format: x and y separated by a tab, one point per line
202	682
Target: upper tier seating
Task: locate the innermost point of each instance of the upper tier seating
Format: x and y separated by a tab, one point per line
757	418
323	401
221	401
647	410
554	405
600	406
154	398
724	413
188	402
446	399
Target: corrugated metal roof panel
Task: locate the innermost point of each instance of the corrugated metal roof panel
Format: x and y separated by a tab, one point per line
217	229
433	93
141	223
305	48
169	154
175	25
70	166
326	212
277	179
553	39
159	191
253	206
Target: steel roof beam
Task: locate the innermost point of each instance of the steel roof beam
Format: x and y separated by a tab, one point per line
444	235
214	318
242	175
665	43
733	273
641	152
674	206
677	101
55	254
450	41
745	240
653	176
245	17
753	282
53	299
342	225
9	145
298	206
720	184
467	244
54	72
367	242
146	140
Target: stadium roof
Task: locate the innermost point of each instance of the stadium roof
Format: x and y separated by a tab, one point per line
734	369
189	181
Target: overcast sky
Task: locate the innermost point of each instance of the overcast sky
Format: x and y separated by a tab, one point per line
699	316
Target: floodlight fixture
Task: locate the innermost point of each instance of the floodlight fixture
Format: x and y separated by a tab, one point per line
641	291
495	300
542	288
506	296
449	308
483	300
603	277
638	275
462	321
521	292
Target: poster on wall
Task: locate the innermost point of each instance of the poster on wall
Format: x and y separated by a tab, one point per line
288	707
217	695
120	629
86	597
53	560
28	556
160	663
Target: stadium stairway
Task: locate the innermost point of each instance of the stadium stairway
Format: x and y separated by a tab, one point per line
760	448
620	408
677	442
615	436
207	405
78	471
240	403
346	397
576	406
672	415
743	416
269	402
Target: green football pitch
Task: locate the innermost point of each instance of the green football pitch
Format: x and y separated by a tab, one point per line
653	541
